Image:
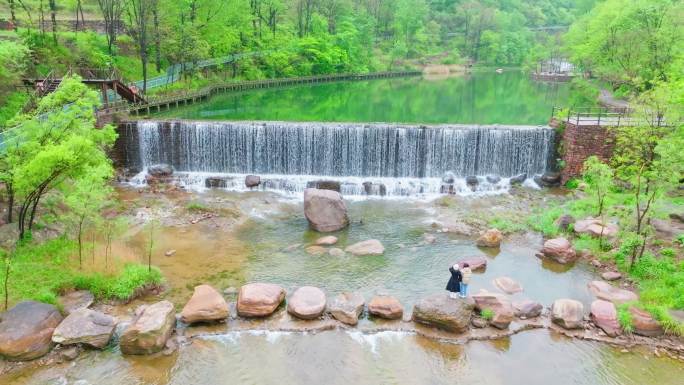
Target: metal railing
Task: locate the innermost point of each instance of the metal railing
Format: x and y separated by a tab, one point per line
605	116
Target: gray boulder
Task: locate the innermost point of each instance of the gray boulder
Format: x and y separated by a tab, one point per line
347	307
85	326
325	210
568	313
440	311
26	330
252	181
160	170
150	330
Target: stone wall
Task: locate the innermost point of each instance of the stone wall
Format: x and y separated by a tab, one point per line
580	142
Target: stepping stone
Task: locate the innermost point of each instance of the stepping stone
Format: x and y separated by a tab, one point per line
386	307
307	302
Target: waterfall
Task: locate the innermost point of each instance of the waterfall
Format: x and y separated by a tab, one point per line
296	150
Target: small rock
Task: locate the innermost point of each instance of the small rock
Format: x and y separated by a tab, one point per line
386	307
507	285
611	275
493	179
550	179
605	291
169	253
527	309
564	222
596	263
429	238
326	241
259	299
568	313
316	250
490	238
679	217
252	181
292	247
336	252
70	353
644	324
369	247
604	315
85	326
160	170
307	302
560	250
347	307
472	180
205	305
150	330
518	179
479	322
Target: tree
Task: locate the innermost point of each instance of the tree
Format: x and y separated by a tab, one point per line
599	178
56	146
111	11
139	12
85	198
13	62
409	20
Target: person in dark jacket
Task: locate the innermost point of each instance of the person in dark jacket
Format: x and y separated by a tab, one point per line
454	285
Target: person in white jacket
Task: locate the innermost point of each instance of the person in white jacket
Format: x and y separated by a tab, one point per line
466	273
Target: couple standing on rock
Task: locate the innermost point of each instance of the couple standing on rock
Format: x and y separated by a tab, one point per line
460	278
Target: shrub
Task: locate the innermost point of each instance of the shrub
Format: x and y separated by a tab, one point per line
487	314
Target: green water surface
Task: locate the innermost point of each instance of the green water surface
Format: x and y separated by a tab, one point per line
483	97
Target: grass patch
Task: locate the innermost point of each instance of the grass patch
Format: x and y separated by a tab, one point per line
42	271
507	226
487	314
625	318
196	206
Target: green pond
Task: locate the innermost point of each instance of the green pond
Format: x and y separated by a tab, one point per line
482	97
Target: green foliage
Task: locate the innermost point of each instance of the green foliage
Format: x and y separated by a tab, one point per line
625	318
572	184
41	271
196	206
680	239
507	225
487	314
545	221
13	63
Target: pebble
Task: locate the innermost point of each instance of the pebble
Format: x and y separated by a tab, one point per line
170	253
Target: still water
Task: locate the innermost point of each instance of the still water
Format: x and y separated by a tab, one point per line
482	97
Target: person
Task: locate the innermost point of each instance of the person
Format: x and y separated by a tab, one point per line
466	273
454	285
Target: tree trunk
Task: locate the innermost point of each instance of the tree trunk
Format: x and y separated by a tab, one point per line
157	39
53	17
13	17
10	203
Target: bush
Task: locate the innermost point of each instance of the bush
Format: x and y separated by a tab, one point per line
487	314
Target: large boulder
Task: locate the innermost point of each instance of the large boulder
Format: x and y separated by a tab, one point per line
149	330
75	300
498	304
607	292
490	238
307	302
527	309
604	315
475	263
252	181
26	330
85	326
596	228
508	285
347	307
259	299
451	314
160	170
369	247
328	240
567	313
644	324
205	305
385	306
325	210
560	250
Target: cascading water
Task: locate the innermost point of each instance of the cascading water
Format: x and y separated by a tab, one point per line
382	159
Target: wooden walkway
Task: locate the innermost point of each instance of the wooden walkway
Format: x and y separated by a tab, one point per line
605	117
156	104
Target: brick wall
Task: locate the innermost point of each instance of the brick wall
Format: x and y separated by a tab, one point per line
580	142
